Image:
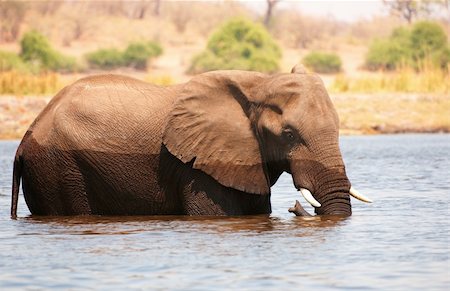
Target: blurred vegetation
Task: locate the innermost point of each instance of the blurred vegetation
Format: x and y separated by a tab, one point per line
11	61
161	80
36	56
321	62
105	59
20	83
410	47
136	55
37	52
239	44
413	9
400	54
12	14
429	78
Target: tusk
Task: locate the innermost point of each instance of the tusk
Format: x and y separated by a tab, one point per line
308	197
359	196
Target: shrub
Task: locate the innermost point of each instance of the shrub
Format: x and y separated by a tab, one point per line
427	38
37	51
385	54
390	53
323	62
11	61
442	58
137	54
34	46
105	59
239	44
405	47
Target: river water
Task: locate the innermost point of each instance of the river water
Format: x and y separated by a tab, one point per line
400	242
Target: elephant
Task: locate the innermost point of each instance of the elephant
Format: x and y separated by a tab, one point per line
114	145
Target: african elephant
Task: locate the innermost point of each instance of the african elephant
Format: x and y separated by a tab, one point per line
113	145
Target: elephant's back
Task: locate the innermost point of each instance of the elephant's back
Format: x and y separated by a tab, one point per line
106	113
95	149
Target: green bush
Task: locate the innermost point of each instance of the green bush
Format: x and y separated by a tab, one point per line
37	51
138	53
427	38
239	44
390	53
410	47
11	62
105	59
135	55
323	62
442	58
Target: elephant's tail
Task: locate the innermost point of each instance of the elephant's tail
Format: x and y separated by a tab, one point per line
17	174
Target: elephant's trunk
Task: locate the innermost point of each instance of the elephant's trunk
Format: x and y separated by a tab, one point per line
332	194
326	181
334	198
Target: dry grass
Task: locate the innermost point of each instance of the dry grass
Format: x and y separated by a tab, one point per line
359	113
20	84
17	83
392	113
16	114
428	80
162	80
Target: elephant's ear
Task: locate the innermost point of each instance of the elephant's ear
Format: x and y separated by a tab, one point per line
299	69
209	125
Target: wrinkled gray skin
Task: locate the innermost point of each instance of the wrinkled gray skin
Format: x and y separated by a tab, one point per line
113	145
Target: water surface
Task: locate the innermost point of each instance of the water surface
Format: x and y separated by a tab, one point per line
400	242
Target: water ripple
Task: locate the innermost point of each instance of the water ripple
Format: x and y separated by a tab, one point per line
399	242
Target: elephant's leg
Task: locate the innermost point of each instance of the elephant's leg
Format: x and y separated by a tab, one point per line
52	182
75	199
205	196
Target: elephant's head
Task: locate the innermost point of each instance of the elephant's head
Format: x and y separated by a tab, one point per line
246	128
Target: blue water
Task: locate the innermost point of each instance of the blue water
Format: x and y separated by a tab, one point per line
400	242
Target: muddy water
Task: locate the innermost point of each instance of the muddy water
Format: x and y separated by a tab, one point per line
401	242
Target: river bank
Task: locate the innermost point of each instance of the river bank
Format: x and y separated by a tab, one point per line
387	113
359	113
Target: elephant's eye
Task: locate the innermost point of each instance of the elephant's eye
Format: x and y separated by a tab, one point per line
288	135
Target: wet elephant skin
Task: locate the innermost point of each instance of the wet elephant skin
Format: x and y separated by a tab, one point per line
124	184
113	145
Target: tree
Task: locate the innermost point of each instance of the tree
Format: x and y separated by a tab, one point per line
143	6
410	9
47	7
157	8
270	5
12	14
181	16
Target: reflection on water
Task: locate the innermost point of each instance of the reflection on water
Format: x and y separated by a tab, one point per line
110	225
399	242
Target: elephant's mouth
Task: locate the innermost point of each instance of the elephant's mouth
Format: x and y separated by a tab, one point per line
298	210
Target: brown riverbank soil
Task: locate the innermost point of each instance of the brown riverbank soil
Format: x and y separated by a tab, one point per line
358	113
393	113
